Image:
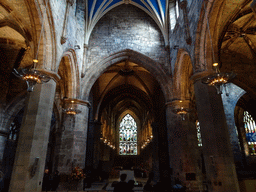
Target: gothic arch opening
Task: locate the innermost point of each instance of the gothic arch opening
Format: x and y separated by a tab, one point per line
127	90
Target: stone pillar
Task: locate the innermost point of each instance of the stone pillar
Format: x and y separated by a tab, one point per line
93	145
230	97
155	155
72	147
183	147
217	153
90	145
96	155
3	138
28	169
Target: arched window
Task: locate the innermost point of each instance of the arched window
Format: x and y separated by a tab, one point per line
15	126
128	136
250	131
199	137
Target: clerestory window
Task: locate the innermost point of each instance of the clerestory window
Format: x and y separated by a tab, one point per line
128	136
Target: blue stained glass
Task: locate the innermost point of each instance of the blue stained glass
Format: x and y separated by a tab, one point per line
251	137
250	130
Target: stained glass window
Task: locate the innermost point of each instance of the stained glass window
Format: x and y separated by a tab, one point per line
199	137
250	131
128	136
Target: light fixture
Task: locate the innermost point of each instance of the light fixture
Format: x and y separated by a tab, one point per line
216	79
31	75
70	107
181	107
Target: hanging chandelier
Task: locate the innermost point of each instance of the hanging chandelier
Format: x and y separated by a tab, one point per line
216	78
70	106
181	107
31	75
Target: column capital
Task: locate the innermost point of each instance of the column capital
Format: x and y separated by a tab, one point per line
179	103
198	76
180	107
76	101
52	74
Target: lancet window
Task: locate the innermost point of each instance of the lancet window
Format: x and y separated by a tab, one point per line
250	131
128	136
199	137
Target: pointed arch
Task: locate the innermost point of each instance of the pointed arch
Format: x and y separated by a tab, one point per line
94	72
182	72
69	73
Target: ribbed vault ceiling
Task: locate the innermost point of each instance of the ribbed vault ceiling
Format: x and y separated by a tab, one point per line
157	9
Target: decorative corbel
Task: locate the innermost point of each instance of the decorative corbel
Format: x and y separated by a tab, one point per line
183	6
64	31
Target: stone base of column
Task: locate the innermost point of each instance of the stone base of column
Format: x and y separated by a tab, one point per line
67	184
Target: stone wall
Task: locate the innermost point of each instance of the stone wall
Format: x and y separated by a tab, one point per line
178	34
126	27
74	30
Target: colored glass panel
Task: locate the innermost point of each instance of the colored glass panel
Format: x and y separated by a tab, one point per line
250	132
128	136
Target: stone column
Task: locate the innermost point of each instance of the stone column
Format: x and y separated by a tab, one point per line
96	155
31	151
183	147
3	138
71	152
155	153
90	145
229	99
217	153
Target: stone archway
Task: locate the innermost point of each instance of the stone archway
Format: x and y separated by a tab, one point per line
69	73
182	73
128	81
153	67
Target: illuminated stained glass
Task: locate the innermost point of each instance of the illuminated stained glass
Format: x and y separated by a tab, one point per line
128	136
250	131
199	137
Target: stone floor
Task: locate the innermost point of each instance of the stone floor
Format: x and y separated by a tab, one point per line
106	186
